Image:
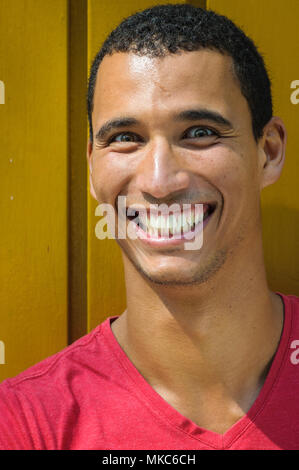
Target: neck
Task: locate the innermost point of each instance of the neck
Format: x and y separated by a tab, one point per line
223	332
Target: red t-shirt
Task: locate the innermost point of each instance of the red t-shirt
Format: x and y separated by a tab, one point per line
91	396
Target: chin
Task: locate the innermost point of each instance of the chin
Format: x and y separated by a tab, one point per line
175	270
170	279
173	275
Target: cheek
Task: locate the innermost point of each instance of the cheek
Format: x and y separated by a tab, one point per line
110	177
226	170
235	176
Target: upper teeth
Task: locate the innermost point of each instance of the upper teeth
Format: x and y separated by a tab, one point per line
170	223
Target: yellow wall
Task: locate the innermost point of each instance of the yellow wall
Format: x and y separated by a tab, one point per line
33	168
58	281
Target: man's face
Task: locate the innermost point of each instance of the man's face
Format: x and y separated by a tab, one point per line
167	154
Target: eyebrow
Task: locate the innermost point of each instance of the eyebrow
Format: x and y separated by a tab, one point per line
116	123
206	114
187	115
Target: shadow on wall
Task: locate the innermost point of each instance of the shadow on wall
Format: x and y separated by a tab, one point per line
281	248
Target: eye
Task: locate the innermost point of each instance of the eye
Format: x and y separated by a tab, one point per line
124	137
198	132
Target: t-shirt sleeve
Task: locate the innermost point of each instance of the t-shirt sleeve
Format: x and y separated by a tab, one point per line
15	431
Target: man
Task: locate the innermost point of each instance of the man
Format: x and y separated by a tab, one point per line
204	357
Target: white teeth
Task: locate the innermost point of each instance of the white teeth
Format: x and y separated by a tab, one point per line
197	218
152	231
185	222
174	223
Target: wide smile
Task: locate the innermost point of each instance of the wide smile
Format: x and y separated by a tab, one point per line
168	229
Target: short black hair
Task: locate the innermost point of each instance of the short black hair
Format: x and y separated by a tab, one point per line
171	28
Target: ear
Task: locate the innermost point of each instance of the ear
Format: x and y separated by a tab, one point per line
89	161
272	151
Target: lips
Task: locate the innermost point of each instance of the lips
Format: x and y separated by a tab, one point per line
167	224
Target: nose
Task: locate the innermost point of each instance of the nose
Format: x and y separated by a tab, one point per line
160	172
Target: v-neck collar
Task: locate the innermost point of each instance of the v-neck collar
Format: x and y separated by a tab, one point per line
161	408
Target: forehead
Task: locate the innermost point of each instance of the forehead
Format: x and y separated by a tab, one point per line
131	84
